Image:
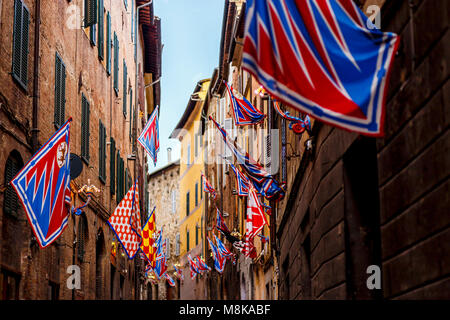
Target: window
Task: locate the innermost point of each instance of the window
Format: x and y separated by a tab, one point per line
187	240
131	112
196	234
177	245
196	194
53	291
85	111
174	201
10	200
101	29
90	13
187	204
108	43
116	64
201	189
20	43
82	237
60	91
112	166
167	248
102	152
125	83
188	155
93	34
10	285
118	177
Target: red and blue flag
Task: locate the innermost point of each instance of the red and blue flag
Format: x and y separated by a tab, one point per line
169	279
243	183
42	186
219	260
220	223
244	112
222	249
208	188
264	182
322	57
202	266
149	138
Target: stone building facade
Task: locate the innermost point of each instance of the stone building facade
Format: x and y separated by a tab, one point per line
164	195
78	73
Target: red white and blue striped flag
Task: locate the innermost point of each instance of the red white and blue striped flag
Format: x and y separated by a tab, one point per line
322	57
244	112
220	223
243	183
219	260
222	249
149	138
42	186
208	188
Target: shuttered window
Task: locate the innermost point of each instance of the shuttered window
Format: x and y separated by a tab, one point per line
125	83
120	179
82	237
101	29
187	204
10	200
102	152
112	167
196	234
85	112
196	194
108	43
93	34
118	198
177	245
187	241
20	43
60	92
116	64
90	13
131	112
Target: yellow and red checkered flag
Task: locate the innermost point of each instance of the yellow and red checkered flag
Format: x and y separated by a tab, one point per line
148	241
126	222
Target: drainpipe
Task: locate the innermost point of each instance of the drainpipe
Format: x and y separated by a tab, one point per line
34	129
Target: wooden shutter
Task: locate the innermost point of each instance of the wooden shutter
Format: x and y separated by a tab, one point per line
60	91
196	194
187	204
93	34
101	29
125	82
85	128
118	198
102	152
131	112
112	167
90	13
108	43
20	43
116	64
10	200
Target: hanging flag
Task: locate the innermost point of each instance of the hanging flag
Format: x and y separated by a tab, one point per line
126	222
220	223
160	259
222	249
242	181
149	138
202	266
193	267
321	57
207	187
297	125
265	183
219	261
148	242
42	186
169	280
243	111
179	273
256	219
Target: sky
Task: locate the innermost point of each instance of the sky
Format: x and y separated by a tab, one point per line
191	31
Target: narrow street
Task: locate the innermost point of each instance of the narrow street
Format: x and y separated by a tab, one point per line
224	150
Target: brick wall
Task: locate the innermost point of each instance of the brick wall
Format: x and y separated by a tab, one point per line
406	230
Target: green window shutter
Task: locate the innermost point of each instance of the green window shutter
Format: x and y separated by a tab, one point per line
118	176
112	166
131	112
108	43
101	29
93	34
187	241
125	83
187	204
85	128
60	91
10	200
90	13
116	64
102	152
196	194
20	43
